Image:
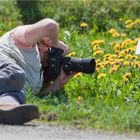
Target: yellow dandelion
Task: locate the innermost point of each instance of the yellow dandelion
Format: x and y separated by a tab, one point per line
116	34
123	44
98	61
130	25
123	35
107	55
128	21
129	56
113	56
115	43
122	53
117	48
98	42
112	30
126	50
106	59
126	63
137	21
98	69
130	50
96	47
106	63
127	42
113	69
80	98
98	52
99	65
134	57
127	75
137	39
72	54
136	64
117	61
78	75
83	25
125	79
101	75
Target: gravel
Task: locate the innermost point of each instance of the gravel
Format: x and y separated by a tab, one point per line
43	131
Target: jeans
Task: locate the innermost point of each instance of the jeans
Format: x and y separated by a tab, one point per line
12	80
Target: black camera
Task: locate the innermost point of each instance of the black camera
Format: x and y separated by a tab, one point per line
56	60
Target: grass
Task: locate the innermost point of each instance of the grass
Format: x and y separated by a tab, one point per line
110	102
110	98
91	113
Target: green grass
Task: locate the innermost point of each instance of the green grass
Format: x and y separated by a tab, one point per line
108	103
91	113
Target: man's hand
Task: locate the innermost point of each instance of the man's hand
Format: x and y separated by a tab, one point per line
63	46
46	42
60	81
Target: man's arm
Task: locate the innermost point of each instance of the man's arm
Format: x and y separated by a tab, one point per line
46	27
60	81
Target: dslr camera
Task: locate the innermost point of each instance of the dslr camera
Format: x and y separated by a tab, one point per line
56	60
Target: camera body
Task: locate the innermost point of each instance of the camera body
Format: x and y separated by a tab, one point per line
56	61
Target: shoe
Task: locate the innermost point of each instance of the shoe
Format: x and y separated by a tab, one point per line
18	115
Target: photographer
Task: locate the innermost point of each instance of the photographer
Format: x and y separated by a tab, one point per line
23	54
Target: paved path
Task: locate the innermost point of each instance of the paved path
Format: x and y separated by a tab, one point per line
38	131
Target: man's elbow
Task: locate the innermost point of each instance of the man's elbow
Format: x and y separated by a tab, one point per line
51	24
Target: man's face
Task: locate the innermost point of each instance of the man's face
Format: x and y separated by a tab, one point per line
43	46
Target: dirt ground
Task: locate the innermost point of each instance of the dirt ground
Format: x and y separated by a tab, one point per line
40	131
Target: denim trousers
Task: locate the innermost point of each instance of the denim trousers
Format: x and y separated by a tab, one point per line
12	80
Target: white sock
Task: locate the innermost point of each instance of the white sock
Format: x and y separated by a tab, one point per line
9	100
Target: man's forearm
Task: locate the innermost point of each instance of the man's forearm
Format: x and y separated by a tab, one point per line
46	27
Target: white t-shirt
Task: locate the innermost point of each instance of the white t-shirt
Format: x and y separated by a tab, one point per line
13	46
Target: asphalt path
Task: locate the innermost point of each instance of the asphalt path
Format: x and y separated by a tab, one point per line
40	131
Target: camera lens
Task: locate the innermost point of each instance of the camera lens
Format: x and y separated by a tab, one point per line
85	65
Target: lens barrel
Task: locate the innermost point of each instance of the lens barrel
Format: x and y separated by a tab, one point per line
85	65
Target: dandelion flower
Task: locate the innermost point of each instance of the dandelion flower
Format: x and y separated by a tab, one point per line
129	56
128	21
113	69
98	52
115	43
72	54
106	63
123	35
137	39
116	34
130	26
101	75
117	48
126	63
80	98
136	64
126	76
83	25
78	75
122	53
98	42
137	21
112	30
